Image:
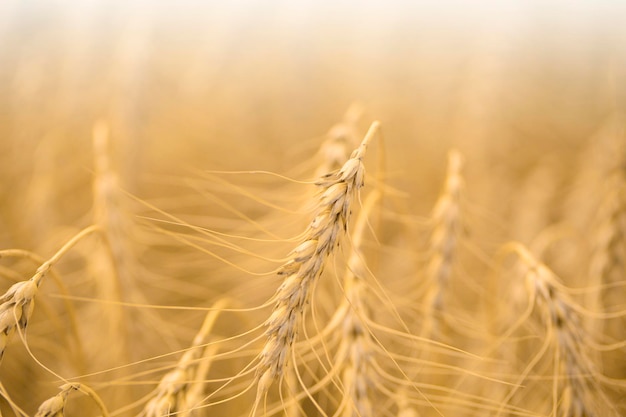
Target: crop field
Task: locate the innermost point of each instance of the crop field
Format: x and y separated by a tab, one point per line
298	209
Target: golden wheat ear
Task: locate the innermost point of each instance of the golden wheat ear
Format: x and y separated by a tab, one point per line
55	406
180	389
576	379
322	237
109	263
607	269
339	141
447	222
355	354
109	213
18	303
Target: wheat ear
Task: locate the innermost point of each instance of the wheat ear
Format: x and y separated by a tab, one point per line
443	241
321	238
341	138
55	406
334	151
178	389
110	264
579	392
18	303
355	350
608	261
109	215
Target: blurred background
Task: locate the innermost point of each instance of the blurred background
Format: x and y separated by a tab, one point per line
259	74
245	83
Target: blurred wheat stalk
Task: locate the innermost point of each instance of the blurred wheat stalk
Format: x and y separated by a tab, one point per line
189	225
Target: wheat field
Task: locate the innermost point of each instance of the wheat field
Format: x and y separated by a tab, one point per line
334	209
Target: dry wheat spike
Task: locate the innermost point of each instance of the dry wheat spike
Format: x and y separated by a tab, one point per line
323	235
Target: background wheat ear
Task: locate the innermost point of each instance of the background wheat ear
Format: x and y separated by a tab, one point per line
578	383
356	351
447	219
181	388
55	406
608	263
18	303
